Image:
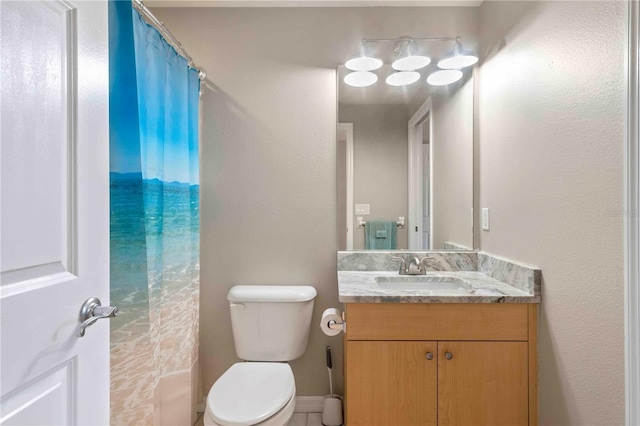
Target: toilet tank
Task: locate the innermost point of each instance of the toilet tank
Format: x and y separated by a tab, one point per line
271	323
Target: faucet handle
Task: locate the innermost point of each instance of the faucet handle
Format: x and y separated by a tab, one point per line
422	264
403	265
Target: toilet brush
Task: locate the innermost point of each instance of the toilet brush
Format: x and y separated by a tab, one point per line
330	370
332	404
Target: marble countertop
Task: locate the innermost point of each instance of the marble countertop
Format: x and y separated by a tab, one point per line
477	287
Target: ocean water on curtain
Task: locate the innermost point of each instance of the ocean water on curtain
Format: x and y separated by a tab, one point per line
172	212
155	282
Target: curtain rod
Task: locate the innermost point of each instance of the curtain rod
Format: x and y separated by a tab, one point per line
166	34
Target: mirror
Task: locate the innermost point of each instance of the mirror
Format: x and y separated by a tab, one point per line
405	154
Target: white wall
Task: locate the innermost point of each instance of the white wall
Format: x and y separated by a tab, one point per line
269	156
379	163
551	100
452	167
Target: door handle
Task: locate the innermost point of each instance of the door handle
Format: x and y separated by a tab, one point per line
91	311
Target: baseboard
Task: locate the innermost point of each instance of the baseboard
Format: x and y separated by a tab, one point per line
309	404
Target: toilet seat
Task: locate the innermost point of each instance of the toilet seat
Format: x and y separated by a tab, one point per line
250	393
281	418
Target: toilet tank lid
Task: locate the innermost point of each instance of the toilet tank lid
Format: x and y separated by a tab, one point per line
271	293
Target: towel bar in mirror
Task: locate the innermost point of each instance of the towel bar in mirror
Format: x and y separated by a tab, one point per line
399	222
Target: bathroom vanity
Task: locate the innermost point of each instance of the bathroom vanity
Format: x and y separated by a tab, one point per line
457	345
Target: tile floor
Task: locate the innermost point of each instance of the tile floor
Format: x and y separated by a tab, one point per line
298	419
306	419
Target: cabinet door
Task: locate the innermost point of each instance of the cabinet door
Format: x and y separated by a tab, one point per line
483	383
391	383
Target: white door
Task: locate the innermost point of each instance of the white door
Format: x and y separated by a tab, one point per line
54	211
419	204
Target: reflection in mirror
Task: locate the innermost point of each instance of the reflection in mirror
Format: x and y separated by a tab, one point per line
405	158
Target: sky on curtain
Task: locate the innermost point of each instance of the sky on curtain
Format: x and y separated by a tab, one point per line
157	148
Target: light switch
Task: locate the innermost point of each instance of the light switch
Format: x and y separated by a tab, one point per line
485	219
363	208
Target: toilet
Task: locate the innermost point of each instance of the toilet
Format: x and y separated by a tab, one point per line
270	327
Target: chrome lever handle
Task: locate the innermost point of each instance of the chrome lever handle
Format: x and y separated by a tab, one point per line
403	265
422	264
91	311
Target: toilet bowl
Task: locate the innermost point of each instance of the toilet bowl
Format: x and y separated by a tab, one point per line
252	393
270	326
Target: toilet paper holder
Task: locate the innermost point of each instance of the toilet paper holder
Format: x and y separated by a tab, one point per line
332	322
335	325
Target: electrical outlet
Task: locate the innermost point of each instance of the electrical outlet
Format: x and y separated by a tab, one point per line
363	208
485	219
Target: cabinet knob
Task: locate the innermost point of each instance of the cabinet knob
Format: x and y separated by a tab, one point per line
448	355
429	356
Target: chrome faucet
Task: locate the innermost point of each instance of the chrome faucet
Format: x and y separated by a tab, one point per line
416	266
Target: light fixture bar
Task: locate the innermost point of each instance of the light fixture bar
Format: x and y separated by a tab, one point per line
389	40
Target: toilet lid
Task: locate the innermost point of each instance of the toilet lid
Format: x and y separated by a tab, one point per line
250	392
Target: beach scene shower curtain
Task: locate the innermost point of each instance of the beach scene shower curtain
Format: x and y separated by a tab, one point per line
155	224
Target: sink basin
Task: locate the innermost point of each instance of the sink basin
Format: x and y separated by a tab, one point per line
422	282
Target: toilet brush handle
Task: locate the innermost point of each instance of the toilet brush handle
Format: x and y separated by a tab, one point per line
329	366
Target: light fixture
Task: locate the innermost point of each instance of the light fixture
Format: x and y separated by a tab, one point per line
363	62
408	59
457	58
360	78
444	77
403	78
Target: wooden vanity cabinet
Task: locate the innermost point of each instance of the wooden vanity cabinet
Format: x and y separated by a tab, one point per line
440	364
392	383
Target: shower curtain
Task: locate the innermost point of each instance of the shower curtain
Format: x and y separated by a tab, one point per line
155	261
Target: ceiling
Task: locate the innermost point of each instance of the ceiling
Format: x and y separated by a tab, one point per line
310	3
